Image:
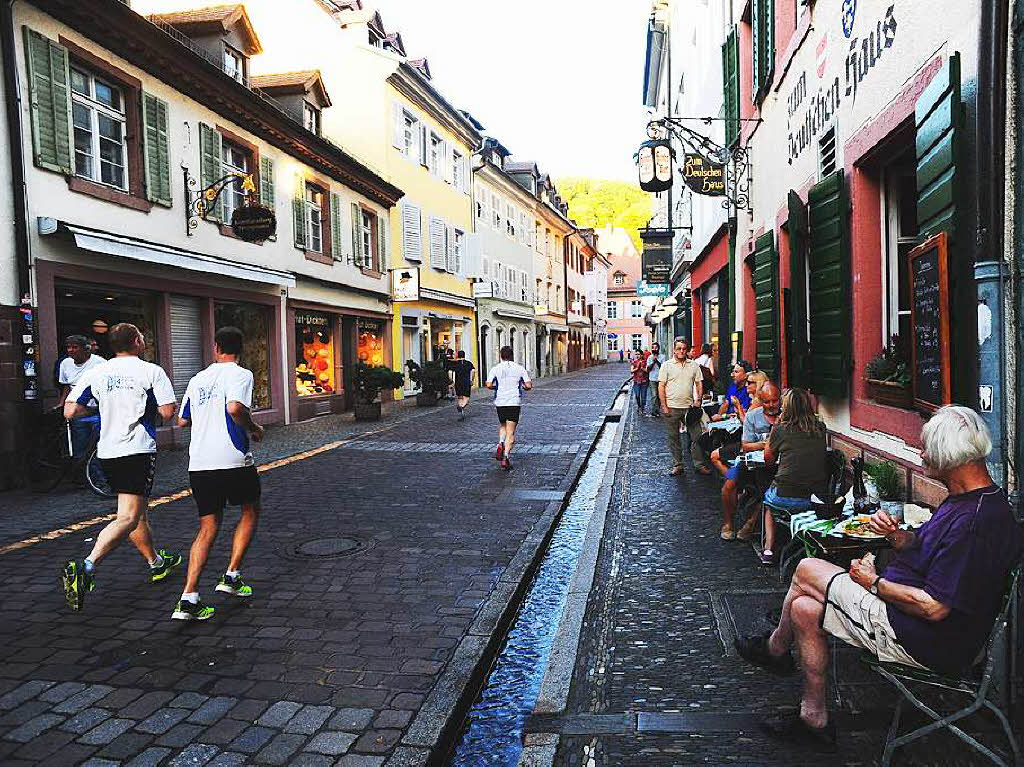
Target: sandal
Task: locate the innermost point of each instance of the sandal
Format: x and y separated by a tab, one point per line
767	558
728	534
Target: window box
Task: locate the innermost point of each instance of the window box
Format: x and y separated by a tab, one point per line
890	393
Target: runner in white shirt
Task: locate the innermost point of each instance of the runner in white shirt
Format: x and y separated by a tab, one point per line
80	359
130	393
221	469
508	379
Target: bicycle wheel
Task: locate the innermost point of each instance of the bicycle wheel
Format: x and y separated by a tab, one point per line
49	462
95	477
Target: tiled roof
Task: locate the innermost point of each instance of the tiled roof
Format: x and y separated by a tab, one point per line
283	79
222	13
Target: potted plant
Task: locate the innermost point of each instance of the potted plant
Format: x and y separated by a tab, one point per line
370	381
889	485
431	378
888	376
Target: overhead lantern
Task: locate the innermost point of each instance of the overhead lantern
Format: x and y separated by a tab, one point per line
655	160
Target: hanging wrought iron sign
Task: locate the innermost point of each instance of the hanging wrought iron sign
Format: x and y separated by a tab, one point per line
655	160
703	176
657	255
253	223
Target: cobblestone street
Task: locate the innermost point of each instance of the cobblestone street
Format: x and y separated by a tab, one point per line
381	569
657	680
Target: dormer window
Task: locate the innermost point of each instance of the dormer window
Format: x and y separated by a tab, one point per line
234	64
619	278
311	118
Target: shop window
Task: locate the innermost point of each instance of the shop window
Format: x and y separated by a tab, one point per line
370	344
314	218
314	354
900	237
98	117
311	117
236	159
91	311
254	322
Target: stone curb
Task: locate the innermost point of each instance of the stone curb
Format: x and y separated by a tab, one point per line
438	721
539	749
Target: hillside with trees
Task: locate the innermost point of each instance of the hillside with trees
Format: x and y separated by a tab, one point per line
597	203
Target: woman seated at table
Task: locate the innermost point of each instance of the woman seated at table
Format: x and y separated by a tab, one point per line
738	405
797	444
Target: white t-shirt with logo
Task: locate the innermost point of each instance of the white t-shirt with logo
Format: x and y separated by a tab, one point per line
509	377
128	391
217	441
69	372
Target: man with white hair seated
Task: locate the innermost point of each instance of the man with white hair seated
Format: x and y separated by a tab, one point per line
932	607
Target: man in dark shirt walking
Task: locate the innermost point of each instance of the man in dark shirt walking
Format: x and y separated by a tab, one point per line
463	370
932	607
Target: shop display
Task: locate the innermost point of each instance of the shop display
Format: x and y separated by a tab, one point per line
91	311
314	352
254	322
370	347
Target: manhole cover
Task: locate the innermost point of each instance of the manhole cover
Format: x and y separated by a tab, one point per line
325	548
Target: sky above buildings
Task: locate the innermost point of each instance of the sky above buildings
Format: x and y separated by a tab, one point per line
557	81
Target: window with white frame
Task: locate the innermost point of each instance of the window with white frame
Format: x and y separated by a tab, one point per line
613	310
613	343
235	159
234	64
367	225
481	204
457	245
410	127
636	342
314	218
524	287
537	239
510	221
636	309
436	157
619	278
900	236
457	181
496	212
98	114
311	117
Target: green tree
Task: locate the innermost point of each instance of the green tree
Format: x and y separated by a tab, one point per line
597	203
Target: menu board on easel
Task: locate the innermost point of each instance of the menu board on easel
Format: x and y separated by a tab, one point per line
929	324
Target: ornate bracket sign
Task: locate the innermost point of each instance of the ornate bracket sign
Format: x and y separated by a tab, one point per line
254	223
657	255
703	176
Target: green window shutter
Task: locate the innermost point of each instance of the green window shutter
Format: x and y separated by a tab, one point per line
382	244
766	299
299	222
357	240
730	80
336	251
49	80
157	151
797	339
828	278
211	167
768	44
756	34
267	182
938	116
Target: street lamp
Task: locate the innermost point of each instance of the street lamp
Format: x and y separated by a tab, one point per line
655	160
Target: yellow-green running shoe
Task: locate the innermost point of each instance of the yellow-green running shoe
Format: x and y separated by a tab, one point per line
76	583
172	561
234	586
189	611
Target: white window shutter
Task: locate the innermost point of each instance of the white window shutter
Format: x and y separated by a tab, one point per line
466	176
424	146
449	248
448	160
397	126
412	235
438	259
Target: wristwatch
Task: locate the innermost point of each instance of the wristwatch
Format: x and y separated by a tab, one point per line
874	586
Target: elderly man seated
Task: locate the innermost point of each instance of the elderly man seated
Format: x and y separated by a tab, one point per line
932	607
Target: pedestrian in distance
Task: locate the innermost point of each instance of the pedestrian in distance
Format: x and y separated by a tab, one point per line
221	469
463	370
622	355
508	380
641	381
679	382
654	360
129	393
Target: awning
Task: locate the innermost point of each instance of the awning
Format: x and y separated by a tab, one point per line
514	315
139	250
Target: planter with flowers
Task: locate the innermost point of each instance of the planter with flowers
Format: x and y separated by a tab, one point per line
888	376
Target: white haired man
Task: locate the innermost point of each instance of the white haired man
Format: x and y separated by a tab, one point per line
932	607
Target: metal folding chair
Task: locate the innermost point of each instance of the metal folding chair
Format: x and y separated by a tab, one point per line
976	686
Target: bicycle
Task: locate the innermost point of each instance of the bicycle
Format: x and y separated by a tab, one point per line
52	457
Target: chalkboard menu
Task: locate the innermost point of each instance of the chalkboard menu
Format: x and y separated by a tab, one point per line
929	326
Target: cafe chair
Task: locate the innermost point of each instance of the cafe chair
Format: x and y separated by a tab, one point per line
976	684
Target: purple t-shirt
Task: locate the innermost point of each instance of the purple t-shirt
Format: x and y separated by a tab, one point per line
962	557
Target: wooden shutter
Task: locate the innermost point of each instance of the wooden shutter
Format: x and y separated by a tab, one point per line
337	254
765	278
797	335
49	82
757	48
731	84
267	182
157	150
828	277
299	222
397	126
938	116
357	235
211	166
437	239
382	244
412	233
768	44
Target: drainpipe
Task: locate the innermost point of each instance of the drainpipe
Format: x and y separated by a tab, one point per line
990	268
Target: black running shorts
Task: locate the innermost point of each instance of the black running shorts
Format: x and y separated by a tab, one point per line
508	413
130	474
213	490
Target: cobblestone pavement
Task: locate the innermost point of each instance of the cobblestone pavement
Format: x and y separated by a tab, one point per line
657	681
336	659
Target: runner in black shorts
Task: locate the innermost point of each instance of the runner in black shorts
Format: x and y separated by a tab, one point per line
221	468
463	370
508	379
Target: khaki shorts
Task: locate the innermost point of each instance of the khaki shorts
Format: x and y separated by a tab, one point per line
858	617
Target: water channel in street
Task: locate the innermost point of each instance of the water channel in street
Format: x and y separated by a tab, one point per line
493	731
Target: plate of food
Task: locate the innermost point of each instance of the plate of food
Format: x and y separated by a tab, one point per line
857	527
